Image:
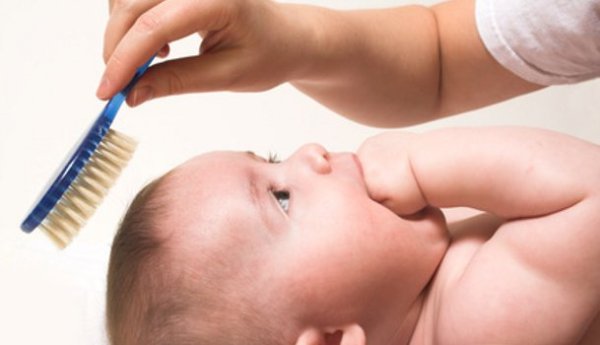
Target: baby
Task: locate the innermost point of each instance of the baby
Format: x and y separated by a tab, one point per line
337	248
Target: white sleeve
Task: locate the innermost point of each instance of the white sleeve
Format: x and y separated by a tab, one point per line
543	41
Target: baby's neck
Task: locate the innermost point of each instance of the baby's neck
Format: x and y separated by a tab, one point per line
407	328
398	327
423	321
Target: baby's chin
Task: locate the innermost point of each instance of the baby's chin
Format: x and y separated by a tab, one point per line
431	222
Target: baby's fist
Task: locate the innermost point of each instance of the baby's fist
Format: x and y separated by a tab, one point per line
389	177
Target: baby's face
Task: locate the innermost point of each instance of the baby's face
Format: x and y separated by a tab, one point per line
309	226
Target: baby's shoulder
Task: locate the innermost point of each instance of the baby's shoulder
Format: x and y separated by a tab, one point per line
484	293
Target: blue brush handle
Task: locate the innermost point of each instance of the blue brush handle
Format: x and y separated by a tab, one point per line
112	107
79	155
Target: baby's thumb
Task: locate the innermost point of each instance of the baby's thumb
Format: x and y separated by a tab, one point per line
210	72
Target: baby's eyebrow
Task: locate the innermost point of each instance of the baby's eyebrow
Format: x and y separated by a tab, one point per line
255	156
256	194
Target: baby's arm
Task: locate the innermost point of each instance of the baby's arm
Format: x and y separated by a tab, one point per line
542	264
509	171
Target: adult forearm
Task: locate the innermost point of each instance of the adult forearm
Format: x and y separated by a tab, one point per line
378	67
402	66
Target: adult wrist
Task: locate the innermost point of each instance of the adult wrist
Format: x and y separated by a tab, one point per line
323	42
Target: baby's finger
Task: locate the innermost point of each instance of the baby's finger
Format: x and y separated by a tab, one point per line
123	15
166	22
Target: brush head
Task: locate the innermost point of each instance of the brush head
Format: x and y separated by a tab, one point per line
80	186
85	177
87	191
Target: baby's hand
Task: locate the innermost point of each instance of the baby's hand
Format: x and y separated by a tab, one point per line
248	45
388	173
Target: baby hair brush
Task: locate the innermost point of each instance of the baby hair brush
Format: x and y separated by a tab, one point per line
83	180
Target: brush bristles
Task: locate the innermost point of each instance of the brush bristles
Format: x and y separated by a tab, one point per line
87	191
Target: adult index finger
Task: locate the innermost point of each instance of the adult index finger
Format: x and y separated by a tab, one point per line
164	23
123	15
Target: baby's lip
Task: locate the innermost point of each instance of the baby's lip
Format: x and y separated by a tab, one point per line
347	162
358	166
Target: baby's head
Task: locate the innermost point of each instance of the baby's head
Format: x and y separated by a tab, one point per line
231	249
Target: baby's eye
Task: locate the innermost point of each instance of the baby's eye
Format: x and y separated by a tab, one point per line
283	198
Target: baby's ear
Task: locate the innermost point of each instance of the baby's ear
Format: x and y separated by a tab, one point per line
348	335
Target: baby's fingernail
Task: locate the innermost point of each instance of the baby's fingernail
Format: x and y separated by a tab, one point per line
102	89
141	95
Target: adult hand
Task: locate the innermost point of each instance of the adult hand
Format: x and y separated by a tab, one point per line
248	45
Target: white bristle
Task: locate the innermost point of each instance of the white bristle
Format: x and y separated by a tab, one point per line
106	154
60	242
89	195
117	151
79	203
95	188
126	143
60	222
103	178
88	189
105	166
73	212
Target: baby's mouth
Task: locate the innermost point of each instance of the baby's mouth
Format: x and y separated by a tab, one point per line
358	166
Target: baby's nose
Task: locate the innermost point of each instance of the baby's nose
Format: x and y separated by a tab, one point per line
316	156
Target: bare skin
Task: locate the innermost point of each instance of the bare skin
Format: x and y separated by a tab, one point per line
352	249
530	274
385	68
531	278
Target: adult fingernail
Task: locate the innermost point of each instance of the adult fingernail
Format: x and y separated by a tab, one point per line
141	95
102	91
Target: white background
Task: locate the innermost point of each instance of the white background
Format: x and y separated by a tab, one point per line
50	64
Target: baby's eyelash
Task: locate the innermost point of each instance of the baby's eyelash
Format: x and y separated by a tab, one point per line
273	158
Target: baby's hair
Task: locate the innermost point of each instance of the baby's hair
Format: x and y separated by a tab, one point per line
152	299
135	248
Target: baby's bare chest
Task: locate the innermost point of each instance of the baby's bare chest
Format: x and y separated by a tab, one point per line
483	298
